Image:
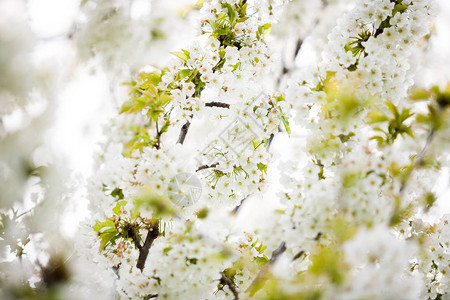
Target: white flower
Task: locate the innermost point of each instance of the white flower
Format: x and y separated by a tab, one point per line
188	89
213	43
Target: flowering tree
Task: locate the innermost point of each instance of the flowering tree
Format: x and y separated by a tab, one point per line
232	172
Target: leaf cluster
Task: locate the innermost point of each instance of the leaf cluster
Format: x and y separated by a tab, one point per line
395	124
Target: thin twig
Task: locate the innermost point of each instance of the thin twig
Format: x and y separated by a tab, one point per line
277	252
298	255
236	209
203	167
286	70
135	240
217	104
225	280
158	136
419	161
183	132
262	275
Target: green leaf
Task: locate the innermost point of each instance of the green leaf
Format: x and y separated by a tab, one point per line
346	137
100	225
154	114
328	262
261	248
262	167
188	55
420	94
167	249
152	89
165	127
405	115
235	66
379	139
401	8
118	206
117	193
180	55
106	237
408	131
376	117
184	73
243	19
261	260
128	105
165	98
231	13
286	124
152	78
392	108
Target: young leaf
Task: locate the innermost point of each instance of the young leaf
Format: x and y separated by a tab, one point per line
376	117
126	106
180	55
184	73
100	225
106	237
118	206
286	124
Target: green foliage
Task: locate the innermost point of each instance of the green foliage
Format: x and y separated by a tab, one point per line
184	55
160	205
262	167
346	137
146	94
396	124
223	27
263	30
260	248
355	46
202	213
428	200
108	230
319	163
191	261
261	260
286	124
117	193
328	262
438	107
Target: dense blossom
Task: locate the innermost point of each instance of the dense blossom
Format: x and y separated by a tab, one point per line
283	152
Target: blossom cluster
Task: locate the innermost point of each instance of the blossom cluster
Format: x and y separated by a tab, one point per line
156	246
349	217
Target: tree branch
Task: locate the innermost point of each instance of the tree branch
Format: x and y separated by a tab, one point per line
185	128
419	161
298	255
158	136
225	280
152	234
206	167
262	275
236	209
135	240
183	132
217	104
277	252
